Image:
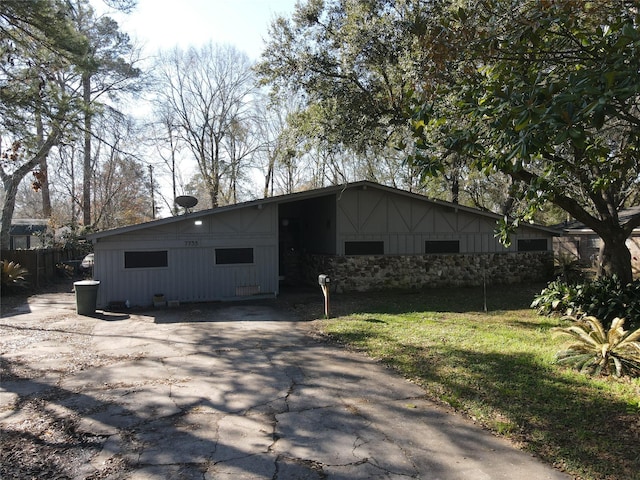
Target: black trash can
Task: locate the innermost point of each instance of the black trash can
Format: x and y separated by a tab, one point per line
86	296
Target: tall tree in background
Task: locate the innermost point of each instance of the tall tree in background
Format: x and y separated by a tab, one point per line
165	138
269	131
108	70
68	184
45	51
282	140
38	46
241	145
121	196
355	63
210	90
546	92
352	60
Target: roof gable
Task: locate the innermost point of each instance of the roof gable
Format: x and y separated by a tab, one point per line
308	194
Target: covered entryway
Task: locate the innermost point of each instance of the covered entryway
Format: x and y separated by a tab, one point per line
304	227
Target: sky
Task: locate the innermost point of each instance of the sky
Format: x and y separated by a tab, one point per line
162	24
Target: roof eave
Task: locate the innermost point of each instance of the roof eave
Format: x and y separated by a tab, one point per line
296	196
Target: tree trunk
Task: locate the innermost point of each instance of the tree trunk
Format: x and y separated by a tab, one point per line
455	188
86	180
213	197
74	199
268	179
615	258
44	179
10	190
454	179
212	178
11	183
46	192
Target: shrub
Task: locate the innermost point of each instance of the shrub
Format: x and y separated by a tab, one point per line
557	297
595	351
604	298
13	274
567	267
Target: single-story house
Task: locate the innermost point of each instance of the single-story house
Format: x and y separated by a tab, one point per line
584	244
363	235
27	233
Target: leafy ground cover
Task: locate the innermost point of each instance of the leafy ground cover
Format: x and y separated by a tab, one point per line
497	367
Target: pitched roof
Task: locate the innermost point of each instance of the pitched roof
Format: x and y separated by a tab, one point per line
27	226
579	227
20	230
297	196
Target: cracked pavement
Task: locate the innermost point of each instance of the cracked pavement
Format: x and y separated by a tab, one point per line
226	391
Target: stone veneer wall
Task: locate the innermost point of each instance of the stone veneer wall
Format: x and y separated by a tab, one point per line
362	273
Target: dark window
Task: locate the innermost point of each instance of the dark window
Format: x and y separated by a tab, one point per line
364	248
145	259
442	246
230	256
532	245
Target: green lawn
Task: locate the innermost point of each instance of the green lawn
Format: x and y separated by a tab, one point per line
498	368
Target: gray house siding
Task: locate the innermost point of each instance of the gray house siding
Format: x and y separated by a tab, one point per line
404	223
260	246
192	273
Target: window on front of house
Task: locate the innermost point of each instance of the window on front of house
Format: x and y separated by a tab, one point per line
442	246
233	256
532	245
364	248
146	259
21	242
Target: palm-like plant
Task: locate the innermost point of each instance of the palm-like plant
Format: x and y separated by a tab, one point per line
13	274
595	351
568	268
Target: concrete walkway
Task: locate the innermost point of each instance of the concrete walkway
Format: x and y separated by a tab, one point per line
233	391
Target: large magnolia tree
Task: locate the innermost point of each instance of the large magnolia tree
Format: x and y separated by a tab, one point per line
546	92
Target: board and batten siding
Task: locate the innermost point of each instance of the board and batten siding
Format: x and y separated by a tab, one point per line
191	274
405	223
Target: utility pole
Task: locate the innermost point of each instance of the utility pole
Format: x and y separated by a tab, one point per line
173	180
173	168
153	199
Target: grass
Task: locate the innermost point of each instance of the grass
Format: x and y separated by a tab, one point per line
497	367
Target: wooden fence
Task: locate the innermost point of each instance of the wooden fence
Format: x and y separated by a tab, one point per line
44	265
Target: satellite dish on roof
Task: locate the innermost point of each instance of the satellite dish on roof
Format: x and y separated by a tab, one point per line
186	201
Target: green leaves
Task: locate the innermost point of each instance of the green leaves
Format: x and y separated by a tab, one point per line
360	58
544	91
604	298
597	351
505	230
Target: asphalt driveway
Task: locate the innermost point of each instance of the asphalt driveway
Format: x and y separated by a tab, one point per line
220	391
